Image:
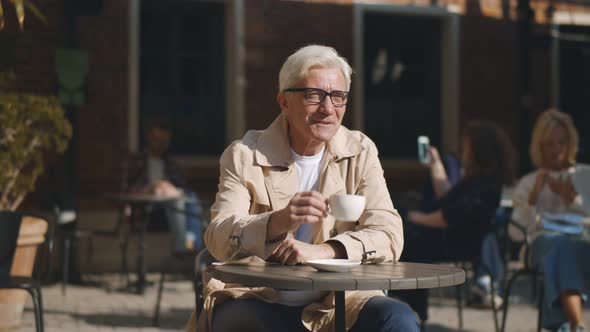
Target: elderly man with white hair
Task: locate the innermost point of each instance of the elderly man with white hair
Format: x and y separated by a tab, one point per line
272	206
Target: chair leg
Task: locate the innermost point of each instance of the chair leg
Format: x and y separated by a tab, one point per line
494	308
156	320
196	289
124	267
38	307
507	297
199	292
534	286
66	262
540	307
459	289
124	236
493	289
49	261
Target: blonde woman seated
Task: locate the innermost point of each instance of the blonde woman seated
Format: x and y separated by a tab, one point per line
553	150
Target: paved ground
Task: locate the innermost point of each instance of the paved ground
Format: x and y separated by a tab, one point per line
95	308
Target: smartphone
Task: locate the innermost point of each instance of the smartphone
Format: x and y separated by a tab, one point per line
424	149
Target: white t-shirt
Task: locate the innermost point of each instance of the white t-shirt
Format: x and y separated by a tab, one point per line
527	215
308	172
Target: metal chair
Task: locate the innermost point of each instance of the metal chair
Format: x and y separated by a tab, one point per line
460	289
183	256
9	228
475	261
201	260
63	228
526	270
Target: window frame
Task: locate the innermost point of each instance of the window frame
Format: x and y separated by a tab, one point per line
234	80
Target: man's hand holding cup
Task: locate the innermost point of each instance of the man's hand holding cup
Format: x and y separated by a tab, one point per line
304	208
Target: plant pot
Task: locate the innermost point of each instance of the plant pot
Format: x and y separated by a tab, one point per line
31	235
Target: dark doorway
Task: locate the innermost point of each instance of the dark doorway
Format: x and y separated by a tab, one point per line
402	61
574	82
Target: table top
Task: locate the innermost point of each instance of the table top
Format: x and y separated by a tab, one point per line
400	275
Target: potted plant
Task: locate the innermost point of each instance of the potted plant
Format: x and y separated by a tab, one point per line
32	127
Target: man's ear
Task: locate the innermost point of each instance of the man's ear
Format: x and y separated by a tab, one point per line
282	100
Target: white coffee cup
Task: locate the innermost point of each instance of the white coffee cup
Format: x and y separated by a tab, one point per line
347	207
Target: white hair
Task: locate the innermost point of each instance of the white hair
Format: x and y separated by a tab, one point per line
298	64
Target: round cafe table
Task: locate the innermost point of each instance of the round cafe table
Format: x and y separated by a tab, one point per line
385	276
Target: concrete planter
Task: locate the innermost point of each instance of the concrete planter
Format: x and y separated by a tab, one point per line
31	235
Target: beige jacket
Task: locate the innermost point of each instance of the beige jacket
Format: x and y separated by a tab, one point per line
257	177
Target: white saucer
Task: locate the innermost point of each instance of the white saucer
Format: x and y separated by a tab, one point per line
333	265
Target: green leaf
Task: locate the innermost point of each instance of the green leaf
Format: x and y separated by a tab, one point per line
35	10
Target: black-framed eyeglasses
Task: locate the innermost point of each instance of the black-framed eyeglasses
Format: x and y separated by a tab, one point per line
316	96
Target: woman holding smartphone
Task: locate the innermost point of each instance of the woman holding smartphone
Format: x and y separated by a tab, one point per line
562	258
456	229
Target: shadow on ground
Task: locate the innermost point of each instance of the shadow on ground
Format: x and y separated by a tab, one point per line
439	328
173	319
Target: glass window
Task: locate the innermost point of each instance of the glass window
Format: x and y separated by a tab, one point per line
402	82
574	80
182	73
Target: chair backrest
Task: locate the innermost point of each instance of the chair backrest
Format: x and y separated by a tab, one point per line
202	261
9	228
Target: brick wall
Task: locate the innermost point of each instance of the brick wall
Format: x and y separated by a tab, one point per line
490	79
102	122
489	75
273	30
30	52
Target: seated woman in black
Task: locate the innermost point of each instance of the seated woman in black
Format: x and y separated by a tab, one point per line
455	231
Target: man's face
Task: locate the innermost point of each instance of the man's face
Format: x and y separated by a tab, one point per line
313	124
157	141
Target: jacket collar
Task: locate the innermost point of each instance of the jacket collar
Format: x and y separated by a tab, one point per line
273	148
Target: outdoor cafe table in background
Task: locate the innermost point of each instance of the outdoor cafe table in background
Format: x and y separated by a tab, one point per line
385	276
141	203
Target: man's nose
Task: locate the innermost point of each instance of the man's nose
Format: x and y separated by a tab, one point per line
327	106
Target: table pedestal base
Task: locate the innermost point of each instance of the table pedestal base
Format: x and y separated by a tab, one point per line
340	317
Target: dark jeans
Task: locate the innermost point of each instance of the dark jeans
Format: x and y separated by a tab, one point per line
379	314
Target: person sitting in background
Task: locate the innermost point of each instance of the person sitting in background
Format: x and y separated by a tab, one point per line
553	149
152	172
456	229
440	181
